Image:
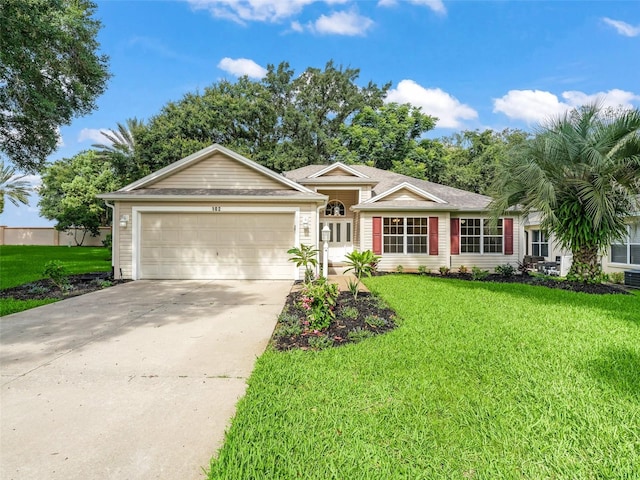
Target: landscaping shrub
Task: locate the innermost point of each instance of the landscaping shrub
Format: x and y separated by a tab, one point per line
58	273
462	270
305	256
318	300
507	270
616	277
478	274
444	270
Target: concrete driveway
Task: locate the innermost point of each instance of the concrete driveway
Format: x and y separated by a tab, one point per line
137	381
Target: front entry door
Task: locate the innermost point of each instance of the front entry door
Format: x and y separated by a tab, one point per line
340	239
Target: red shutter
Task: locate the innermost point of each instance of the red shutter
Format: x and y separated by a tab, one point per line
377	235
433	235
455	236
507	225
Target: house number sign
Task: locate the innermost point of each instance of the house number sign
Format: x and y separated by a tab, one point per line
216	209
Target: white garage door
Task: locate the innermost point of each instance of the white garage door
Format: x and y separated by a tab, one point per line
216	246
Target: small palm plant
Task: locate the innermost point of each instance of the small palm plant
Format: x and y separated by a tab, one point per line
305	256
361	264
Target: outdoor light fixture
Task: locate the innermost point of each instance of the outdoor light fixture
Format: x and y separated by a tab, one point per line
326	232
305	222
124	219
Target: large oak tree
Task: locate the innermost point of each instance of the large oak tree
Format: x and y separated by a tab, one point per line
50	72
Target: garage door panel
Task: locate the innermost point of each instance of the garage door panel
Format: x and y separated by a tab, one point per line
216	246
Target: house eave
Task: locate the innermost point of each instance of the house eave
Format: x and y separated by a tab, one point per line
320	199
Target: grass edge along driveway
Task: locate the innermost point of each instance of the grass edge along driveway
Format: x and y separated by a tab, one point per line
481	381
20	264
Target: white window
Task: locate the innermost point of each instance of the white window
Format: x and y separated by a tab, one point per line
405	235
627	251
478	236
335	208
539	244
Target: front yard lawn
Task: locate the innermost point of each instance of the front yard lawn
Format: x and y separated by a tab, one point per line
480	381
22	264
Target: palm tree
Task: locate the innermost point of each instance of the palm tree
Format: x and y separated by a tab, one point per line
582	173
14	188
121	150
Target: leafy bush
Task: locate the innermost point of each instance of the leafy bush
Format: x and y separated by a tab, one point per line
107	241
524	267
616	277
358	334
399	269
463	270
478	274
58	273
444	270
288	329
318	299
361	264
38	290
375	321
349	312
287	318
305	256
320	342
506	270
422	270
353	286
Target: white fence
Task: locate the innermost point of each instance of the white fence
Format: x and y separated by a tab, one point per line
49	236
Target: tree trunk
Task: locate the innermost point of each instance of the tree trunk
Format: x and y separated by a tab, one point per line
586	265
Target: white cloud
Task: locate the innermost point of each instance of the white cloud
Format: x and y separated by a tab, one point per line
35	181
242	66
297	27
434	101
435	5
348	23
252	10
623	28
535	106
93	134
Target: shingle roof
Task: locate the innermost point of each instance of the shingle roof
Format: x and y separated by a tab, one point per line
386	180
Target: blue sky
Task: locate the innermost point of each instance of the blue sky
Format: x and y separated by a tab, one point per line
473	64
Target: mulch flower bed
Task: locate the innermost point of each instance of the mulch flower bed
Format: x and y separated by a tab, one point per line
44	289
549	282
356	319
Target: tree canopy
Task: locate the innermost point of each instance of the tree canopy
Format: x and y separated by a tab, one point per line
69	189
50	72
281	121
582	173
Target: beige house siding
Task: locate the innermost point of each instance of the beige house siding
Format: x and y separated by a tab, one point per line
218	171
488	261
409	262
405	195
123	257
347	197
365	193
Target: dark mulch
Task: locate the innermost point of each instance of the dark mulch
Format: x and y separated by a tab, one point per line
78	285
366	305
549	282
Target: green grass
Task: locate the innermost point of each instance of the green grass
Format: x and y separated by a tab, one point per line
11	305
480	381
20	264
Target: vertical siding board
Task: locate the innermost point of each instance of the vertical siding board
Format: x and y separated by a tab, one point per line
433	235
455	236
377	235
508	236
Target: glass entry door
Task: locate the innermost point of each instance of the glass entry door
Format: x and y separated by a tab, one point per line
340	239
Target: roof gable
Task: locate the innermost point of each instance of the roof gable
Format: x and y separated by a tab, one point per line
215	167
405	192
338	169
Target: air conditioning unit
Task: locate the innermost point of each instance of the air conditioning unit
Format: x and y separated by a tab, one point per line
632	278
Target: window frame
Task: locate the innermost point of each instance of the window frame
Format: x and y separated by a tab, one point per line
483	224
627	243
543	240
402	233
